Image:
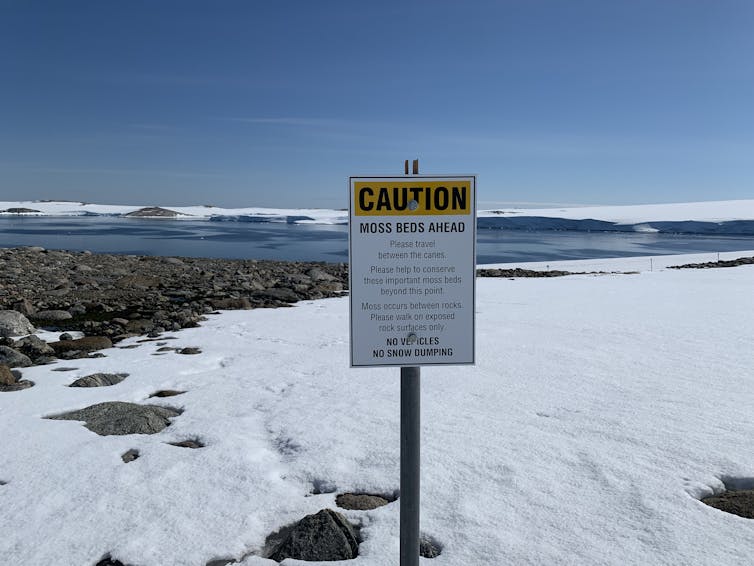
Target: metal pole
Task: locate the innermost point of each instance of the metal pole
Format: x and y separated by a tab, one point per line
410	452
410	463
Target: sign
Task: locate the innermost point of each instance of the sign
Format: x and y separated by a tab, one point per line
412	270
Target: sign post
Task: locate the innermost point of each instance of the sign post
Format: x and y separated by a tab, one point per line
412	270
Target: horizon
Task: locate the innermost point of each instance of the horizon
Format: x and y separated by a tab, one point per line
276	105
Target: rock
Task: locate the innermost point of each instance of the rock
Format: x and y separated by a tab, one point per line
119	418
324	536
77	310
6	376
24	307
227	304
190	443
85	344
130	455
64	337
739	502
143	281
318	274
154	212
167	393
53	315
10	380
13	323
99	380
34	347
189	351
429	548
360	501
12	358
278	293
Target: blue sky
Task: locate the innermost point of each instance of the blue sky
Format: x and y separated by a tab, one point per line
246	103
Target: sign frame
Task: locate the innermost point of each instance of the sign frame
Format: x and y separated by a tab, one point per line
429	206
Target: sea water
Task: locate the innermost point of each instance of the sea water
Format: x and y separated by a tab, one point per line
328	243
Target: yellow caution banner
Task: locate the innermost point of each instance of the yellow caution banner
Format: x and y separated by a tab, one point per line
412	197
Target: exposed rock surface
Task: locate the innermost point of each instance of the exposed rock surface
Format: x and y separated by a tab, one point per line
712	264
13	358
11	380
13	323
324	536
6	376
99	380
154	212
117	417
117	296
518	272
740	502
85	344
360	501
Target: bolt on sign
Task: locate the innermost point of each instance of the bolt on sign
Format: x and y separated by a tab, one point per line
412	270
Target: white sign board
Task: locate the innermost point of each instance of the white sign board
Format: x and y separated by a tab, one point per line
412	270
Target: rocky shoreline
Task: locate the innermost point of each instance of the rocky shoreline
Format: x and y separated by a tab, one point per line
124	295
112	297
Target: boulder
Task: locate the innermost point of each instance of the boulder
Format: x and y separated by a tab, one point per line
13	358
119	418
86	344
324	536
52	315
360	501
25	307
99	380
34	347
6	376
11	380
13	323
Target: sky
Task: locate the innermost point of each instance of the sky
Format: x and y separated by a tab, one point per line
250	103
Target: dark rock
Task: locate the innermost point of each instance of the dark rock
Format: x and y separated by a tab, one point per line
85	344
190	443
34	347
13	323
360	501
99	380
21	210
279	294
189	350
24	306
6	376
130	455
740	502
227	304
13	358
118	418
109	561
154	212
10	380
428	547
166	393
713	264
65	337
53	315
141	281
324	536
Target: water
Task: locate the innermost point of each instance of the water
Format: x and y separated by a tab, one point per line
316	242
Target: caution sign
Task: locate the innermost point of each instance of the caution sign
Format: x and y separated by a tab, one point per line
412	270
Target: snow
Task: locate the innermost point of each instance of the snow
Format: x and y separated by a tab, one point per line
642	215
601	408
712	211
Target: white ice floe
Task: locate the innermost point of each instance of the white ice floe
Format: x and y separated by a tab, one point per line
601	408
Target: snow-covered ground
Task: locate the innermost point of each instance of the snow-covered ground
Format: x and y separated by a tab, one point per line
601	408
631	215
